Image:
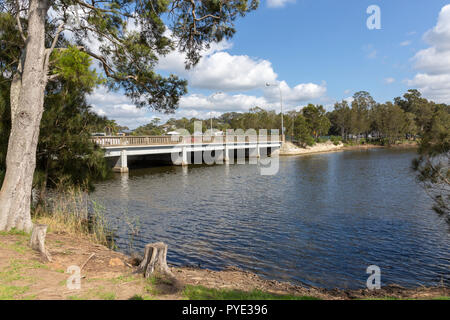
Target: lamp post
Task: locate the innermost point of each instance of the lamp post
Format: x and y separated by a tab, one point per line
210	98
281	106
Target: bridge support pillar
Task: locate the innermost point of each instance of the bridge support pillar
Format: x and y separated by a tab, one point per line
226	155
254	152
219	157
122	162
184	159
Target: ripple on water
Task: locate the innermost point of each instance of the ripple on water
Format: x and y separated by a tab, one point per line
320	221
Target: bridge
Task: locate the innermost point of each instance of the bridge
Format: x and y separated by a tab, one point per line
181	149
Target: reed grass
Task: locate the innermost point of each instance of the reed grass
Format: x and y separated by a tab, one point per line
72	212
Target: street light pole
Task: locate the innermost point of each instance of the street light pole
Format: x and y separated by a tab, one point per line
210	113
281	106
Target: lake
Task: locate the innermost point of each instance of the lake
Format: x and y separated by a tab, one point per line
322	220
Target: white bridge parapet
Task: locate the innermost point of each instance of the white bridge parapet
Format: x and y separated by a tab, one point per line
122	147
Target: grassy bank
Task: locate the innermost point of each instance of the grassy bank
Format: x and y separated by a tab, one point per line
109	275
82	238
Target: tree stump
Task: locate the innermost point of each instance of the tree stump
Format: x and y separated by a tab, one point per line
37	241
155	260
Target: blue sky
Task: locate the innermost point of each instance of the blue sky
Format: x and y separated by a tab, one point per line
320	51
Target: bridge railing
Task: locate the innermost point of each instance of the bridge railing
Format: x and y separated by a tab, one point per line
106	141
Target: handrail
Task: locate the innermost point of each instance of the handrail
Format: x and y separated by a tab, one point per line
105	141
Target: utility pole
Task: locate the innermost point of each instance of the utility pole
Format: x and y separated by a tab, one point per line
211	98
281	106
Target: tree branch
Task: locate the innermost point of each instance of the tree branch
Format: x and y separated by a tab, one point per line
19	24
50	50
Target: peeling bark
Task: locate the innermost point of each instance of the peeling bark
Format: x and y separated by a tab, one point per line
37	241
155	260
27	109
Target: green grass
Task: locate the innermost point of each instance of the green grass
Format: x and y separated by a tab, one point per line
11	292
75	298
13	232
140	297
441	298
107	296
124	279
202	293
14	272
382	298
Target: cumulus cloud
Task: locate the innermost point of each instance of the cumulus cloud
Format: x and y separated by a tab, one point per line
278	3
300	93
219	70
118	107
433	63
222	103
389	80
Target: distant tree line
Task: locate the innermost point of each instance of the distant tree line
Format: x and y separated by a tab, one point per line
358	120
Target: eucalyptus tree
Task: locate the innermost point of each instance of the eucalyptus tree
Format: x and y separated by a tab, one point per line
342	117
362	104
434	160
126	37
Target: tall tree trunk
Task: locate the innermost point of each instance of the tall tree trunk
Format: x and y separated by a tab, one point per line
15	194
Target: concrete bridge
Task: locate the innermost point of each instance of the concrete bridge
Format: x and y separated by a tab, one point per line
182	149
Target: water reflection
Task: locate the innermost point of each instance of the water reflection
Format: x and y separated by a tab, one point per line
321	220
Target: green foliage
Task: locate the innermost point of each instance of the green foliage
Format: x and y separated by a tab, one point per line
316	120
336	140
65	155
151	129
73	66
433	163
203	293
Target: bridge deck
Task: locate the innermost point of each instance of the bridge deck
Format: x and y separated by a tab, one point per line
122	147
174	140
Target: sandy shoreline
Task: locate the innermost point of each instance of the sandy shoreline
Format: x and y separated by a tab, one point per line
289	149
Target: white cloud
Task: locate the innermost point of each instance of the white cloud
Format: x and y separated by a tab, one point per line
201	105
405	43
118	107
433	63
219	70
370	50
222	71
278	3
349	100
300	93
389	80
221	103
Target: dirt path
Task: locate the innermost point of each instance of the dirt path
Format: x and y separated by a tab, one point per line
110	275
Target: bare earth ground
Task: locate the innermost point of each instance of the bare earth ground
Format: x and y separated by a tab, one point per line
109	275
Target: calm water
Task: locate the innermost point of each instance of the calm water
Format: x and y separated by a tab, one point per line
320	221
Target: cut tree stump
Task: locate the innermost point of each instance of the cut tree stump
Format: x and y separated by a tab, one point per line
155	260
37	241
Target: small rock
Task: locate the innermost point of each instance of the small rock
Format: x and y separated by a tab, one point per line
116	262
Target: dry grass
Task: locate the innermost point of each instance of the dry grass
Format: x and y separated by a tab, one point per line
71	212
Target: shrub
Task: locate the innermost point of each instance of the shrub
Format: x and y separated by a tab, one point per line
336	140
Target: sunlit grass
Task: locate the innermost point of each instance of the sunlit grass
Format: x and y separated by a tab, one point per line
203	293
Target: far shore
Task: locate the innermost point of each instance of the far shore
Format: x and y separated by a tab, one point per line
111	275
290	149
